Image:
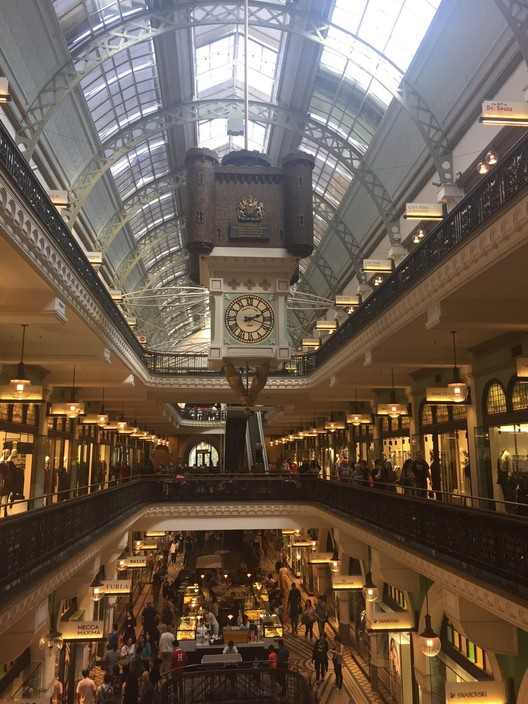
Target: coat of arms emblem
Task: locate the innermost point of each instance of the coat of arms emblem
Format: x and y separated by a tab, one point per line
250	210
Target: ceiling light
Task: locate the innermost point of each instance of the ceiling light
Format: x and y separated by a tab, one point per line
482	168
73	409
430	643
21	386
457	390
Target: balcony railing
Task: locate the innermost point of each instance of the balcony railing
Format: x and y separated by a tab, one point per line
489	545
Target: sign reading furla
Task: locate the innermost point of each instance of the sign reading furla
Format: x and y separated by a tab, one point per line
121	586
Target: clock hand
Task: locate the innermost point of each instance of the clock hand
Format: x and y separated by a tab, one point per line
248	318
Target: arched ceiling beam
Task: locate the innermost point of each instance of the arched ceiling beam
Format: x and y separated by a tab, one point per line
145	26
150	192
144	247
138	132
516	15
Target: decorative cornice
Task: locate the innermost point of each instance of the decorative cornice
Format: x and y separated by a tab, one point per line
36	246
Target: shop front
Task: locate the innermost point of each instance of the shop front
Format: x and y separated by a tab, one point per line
395	440
362	444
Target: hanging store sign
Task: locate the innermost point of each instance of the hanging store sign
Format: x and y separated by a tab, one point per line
377	266
321	558
148	545
488	692
302	544
82	630
522	367
388	620
440	394
121	586
423	211
499	112
155	533
138	561
31	394
347	583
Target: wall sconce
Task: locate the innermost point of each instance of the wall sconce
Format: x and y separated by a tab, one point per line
418	236
52	640
314	545
96	589
457	390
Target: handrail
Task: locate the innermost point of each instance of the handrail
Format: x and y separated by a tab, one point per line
490	545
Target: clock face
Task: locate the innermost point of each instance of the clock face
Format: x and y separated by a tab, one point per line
249	318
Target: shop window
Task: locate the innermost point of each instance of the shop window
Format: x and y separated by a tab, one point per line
385	424
495	399
459	411
18	413
4	411
31	414
395	596
442	414
405	422
466	648
427	414
520	396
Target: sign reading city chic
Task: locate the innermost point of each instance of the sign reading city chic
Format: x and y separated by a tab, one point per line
347	583
120	586
481	691
423	211
388	620
82	630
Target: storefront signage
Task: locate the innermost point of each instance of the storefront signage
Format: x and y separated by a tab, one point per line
146	545
82	630
522	367
34	393
377	266
488	692
389	620
135	562
501	112
302	544
320	558
347	582
440	394
121	586
155	533
288	531
424	211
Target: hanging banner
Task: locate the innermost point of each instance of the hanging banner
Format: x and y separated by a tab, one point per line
486	692
121	586
82	630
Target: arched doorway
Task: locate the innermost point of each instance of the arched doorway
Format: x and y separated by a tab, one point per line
203	455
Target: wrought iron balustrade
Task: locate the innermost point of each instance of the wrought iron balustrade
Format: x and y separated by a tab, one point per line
490	545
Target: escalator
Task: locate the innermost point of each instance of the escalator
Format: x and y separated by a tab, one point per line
254	439
235	459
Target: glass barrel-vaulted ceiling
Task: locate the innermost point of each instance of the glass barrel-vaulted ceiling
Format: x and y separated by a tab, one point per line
362	49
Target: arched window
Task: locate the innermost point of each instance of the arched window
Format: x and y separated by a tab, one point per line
459	411
519	396
495	399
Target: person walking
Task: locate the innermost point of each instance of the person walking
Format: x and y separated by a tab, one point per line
294	607
147	692
86	689
283	655
321	613
308	619
165	650
337	660
320	657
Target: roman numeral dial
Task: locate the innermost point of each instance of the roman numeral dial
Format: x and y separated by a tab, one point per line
249	319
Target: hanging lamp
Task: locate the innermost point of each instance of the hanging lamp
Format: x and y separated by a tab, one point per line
457	390
21	386
394	409
102	416
73	409
430	643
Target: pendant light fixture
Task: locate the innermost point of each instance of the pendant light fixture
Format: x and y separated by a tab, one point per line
73	409
356	418
370	590
96	589
430	643
394	409
21	386
457	390
102	416
122	425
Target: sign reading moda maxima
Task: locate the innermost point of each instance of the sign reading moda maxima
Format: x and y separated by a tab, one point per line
82	630
487	692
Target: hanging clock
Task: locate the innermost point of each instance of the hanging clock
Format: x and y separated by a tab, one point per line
249	319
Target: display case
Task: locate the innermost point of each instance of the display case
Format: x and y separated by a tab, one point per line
272	626
187	628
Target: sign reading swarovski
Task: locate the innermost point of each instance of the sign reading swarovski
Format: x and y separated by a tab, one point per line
488	692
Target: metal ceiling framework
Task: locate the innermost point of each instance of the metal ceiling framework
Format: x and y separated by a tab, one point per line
101	41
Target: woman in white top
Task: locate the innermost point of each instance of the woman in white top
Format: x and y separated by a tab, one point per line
212	623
